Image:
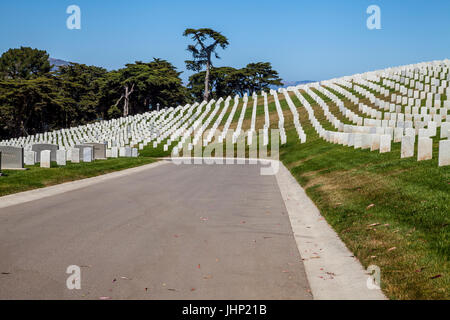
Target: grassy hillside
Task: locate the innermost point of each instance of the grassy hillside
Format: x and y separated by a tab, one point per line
390	212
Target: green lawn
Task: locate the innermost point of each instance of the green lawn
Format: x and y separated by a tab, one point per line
390	212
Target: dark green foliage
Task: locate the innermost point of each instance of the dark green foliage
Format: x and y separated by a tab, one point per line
33	99
155	82
24	63
28	106
206	42
81	91
228	81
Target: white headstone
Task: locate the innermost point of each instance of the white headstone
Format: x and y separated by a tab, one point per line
75	155
45	159
375	142
407	149
366	142
87	154
61	157
444	153
30	158
398	134
385	143
114	152
425	149
445	128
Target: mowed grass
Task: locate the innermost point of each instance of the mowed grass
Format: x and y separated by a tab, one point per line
14	181
390	212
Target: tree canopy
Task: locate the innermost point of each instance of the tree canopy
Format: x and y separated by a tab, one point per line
34	99
228	81
205	44
24	63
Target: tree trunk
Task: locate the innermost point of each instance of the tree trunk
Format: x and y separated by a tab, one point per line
206	93
126	106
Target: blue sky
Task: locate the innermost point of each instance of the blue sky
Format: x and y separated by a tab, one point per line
314	40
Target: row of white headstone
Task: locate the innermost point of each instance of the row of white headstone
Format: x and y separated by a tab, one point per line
376	134
382	118
75	155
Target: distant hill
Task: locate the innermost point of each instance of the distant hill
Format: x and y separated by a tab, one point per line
57	63
292	84
296	83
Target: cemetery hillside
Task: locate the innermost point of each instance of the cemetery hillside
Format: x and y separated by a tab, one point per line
372	150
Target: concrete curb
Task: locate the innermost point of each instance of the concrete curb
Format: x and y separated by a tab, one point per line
36	194
332	270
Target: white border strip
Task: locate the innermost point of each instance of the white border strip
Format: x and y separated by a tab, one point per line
332	270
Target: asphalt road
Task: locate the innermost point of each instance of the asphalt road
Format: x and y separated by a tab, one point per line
171	232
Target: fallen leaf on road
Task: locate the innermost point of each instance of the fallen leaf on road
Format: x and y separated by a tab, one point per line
114	280
192	289
242	222
172	289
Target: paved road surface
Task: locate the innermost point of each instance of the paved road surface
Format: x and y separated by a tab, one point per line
172	232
